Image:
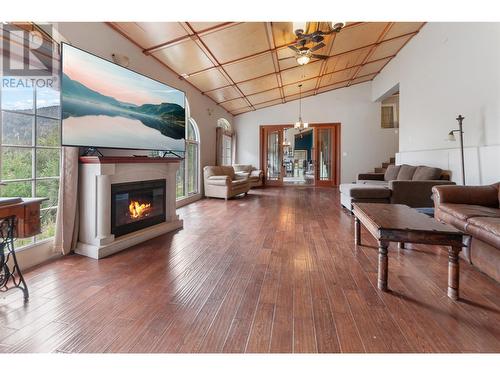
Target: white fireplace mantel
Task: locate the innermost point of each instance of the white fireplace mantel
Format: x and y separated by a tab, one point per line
96	175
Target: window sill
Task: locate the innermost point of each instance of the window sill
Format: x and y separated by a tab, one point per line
34	244
33	254
187	200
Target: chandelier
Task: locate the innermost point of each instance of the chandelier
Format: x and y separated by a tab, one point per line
301	125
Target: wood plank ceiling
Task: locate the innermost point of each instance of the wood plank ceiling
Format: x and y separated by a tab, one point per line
238	65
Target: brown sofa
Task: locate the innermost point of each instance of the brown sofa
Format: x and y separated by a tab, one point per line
255	176
400	184
474	210
222	182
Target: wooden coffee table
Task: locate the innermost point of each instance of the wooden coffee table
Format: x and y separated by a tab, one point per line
402	224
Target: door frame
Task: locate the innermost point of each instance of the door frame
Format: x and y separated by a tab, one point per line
263	153
336	151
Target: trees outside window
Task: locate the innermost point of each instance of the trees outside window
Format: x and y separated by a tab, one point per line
189	170
31	150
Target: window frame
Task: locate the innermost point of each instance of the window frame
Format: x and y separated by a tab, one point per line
195	144
227	149
34	179
227	135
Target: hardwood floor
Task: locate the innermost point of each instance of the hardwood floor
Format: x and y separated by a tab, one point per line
276	271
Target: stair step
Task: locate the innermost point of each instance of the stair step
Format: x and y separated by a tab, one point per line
385	165
392	160
379	170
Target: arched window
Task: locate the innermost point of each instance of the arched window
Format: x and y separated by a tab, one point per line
192	157
189	171
225	142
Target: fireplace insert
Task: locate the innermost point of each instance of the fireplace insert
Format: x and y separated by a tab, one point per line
137	205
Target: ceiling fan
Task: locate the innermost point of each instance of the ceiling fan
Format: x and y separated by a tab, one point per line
303	54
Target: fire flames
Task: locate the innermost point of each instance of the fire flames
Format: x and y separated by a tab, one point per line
138	210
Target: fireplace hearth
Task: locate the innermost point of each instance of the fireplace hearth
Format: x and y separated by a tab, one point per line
137	205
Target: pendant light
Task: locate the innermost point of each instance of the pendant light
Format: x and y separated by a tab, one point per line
300	125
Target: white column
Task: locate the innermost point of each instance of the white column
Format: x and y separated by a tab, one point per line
170	198
103	211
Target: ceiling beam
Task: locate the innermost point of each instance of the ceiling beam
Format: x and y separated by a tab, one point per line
372	49
294	83
324	63
212	57
110	24
190	32
308	91
272	44
330	57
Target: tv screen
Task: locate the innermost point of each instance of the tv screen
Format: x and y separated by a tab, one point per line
108	106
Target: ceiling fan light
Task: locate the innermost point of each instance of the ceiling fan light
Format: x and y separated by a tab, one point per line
297	125
337	26
299	27
303	59
306	125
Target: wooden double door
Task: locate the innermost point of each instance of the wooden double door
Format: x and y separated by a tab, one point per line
307	157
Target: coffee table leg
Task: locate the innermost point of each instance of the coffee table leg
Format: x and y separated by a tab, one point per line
453	272
383	263
357	231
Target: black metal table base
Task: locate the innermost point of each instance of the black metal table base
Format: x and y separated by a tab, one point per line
10	276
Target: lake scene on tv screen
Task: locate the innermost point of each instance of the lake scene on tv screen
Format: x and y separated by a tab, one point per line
106	105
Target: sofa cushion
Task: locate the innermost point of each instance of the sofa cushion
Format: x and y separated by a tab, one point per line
219	171
256	173
243	168
238	183
486	229
391	173
450	219
373	182
359	191
427	173
467	211
406	172
217	180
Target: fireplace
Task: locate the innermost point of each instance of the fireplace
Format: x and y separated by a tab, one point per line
137	205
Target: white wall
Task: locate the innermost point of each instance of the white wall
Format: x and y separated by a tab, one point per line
100	39
364	144
446	70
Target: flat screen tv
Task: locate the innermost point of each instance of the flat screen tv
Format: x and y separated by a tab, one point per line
105	105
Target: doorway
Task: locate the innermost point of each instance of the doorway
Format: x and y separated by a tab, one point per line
292	157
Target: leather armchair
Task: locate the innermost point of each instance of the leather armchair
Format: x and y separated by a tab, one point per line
223	182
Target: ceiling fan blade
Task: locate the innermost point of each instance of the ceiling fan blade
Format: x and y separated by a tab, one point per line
286	58
321	57
294	49
317	47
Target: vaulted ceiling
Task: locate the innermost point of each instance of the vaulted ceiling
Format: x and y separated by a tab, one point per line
239	64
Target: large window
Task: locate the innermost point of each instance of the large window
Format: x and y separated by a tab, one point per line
189	171
30	150
226	148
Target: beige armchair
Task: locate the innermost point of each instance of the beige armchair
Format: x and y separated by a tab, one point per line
255	176
223	182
